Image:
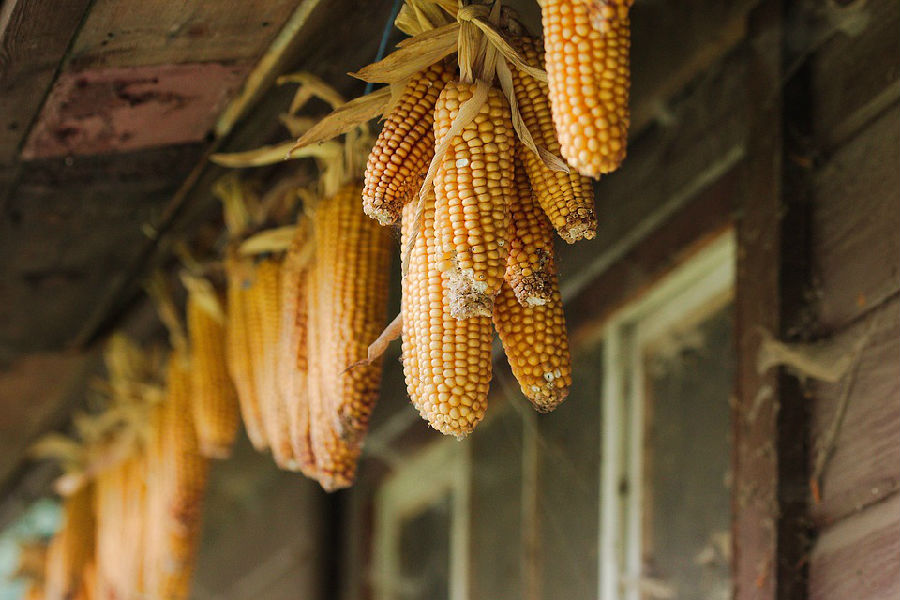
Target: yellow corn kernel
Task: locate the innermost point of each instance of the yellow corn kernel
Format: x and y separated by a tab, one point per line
292	353
471	212
240	354
72	548
446	361
335	457
181	489
353	257
214	402
405	146
589	78
528	268
536	345
265	298
567	198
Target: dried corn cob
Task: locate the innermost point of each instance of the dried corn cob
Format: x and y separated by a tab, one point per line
588	75
404	147
471	212
265	321
120	506
536	345
567	198
446	362
240	354
214	401
292	353
353	265
72	548
335	458
528	268
182	496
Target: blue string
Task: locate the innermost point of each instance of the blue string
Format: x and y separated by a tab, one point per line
384	37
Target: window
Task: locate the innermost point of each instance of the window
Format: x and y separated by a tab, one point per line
665	502
421	530
620	494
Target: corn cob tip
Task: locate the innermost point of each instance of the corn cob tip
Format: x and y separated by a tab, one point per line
464	301
215	451
581	227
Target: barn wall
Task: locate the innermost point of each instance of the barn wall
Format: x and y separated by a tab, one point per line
856	265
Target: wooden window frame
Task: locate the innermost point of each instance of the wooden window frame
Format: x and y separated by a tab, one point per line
441	467
700	285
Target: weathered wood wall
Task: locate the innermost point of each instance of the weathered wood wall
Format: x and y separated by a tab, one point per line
856	261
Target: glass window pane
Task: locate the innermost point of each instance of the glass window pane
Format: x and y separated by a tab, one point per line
686	501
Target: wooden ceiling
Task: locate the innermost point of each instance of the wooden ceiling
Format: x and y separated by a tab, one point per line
109	110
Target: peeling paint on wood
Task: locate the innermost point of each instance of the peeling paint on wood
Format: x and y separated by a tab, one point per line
118	109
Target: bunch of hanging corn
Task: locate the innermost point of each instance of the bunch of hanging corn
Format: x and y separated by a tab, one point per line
469	156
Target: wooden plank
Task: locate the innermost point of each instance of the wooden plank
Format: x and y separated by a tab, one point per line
865	466
856	74
135	33
859	557
35	393
102	111
856	216
322	48
755	461
34	35
665	58
71	226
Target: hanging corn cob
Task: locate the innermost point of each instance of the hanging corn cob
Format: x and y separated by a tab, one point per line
470	188
264	324
536	345
72	548
214	402
447	362
589	78
528	268
335	457
567	198
239	200
353	264
404	147
292	354
177	486
238	351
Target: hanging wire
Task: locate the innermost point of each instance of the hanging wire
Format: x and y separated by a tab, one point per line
385	34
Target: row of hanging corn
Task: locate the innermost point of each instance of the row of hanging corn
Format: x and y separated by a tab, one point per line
482	155
489	141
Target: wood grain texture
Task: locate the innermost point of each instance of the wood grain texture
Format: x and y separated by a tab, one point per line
131	33
68	229
865	466
34	35
856	218
856	73
755	530
101	111
859	557
35	393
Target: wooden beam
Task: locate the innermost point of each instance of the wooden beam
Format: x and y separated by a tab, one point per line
34	36
770	493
